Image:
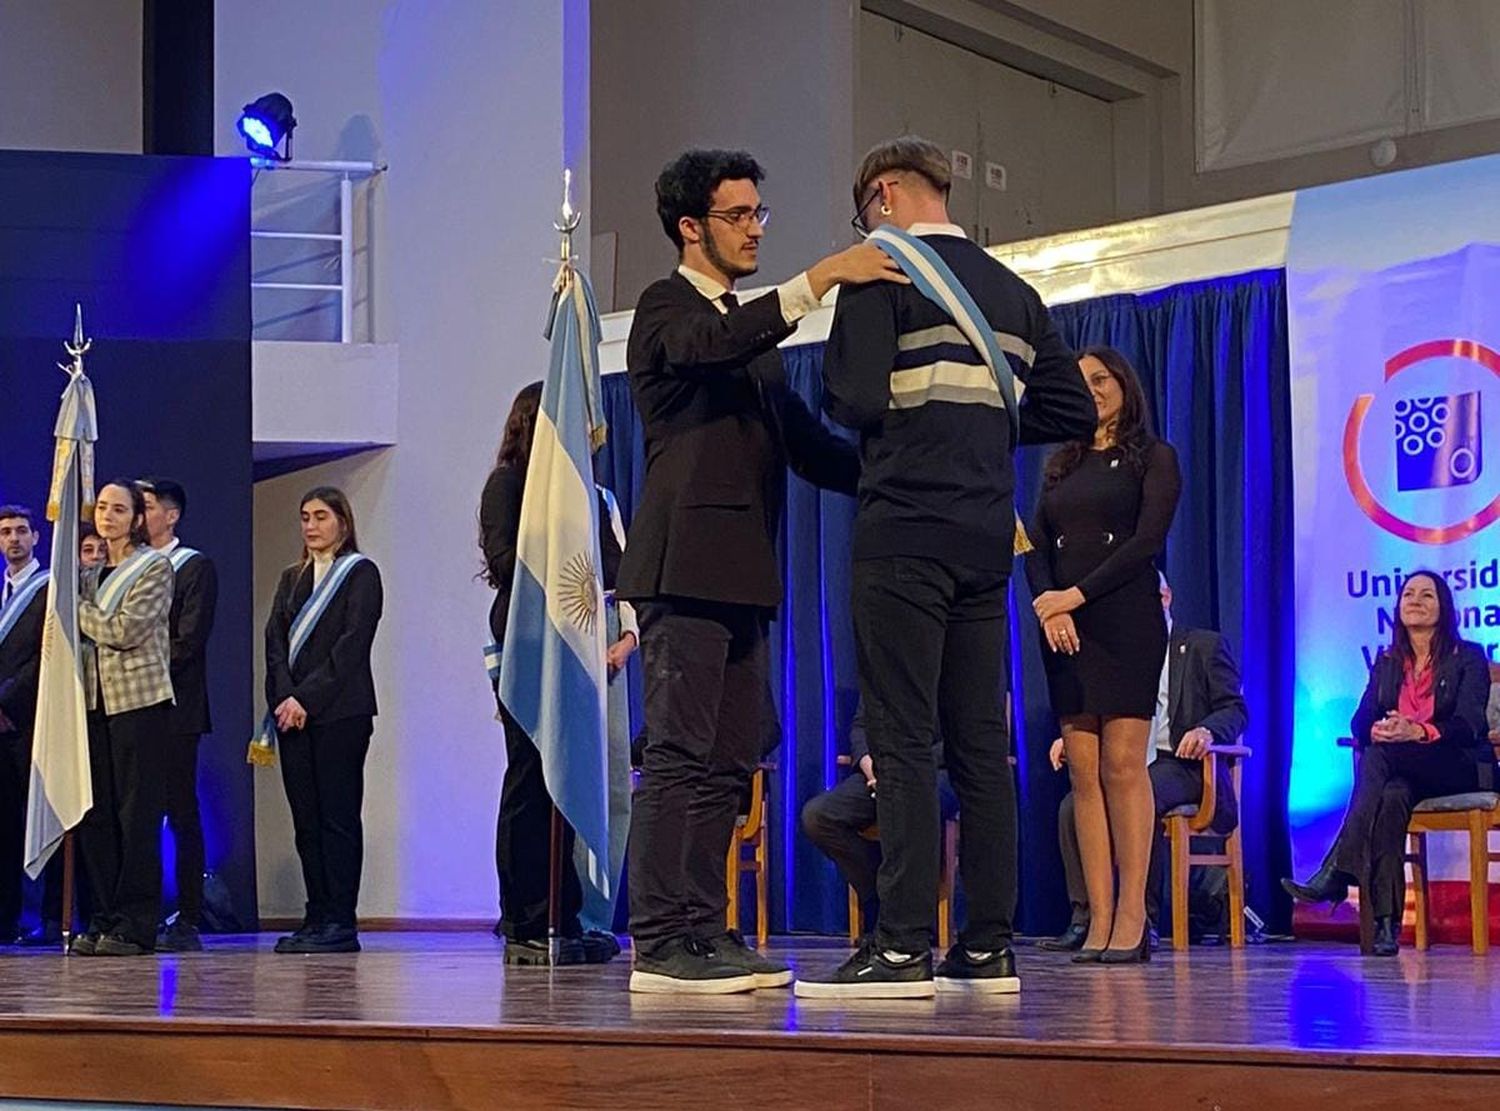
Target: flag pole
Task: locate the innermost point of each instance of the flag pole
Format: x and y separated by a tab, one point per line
568	219
67	893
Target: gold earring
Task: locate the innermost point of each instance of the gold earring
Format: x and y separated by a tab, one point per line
885	210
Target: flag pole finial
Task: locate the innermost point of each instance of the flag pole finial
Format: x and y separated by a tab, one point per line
568	218
79	345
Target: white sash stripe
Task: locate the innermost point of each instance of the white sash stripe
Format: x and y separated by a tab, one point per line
317	602
122	578
973	378
11	614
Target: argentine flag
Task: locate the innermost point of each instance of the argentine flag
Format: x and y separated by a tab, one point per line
61	790
553	675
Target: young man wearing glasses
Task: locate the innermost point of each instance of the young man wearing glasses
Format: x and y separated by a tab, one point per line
938	419
721	427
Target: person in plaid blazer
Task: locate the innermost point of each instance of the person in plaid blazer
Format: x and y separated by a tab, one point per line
123	610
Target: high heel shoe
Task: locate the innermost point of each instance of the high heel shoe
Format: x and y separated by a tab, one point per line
1139	954
1327	885
1087	956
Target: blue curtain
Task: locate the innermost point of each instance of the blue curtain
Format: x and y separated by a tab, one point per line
1213	357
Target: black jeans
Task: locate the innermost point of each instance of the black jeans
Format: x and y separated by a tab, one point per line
523	840
705	697
932	642
185	823
1390	781
1174	782
834	820
323	770
119	838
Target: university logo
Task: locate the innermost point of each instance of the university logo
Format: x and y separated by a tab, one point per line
1437	450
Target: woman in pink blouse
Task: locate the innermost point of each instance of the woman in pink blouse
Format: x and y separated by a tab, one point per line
1421	731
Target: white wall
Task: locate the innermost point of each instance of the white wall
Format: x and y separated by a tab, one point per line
775	77
70	75
466	101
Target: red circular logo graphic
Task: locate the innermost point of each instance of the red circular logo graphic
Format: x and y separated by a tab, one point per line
1365	497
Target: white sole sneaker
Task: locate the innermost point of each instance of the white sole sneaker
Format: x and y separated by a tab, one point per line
890	989
774	979
654	983
991	985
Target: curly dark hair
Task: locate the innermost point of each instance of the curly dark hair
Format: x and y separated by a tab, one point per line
1133	432
520	429
687	183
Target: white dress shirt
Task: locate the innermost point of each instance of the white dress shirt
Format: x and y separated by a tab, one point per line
1161	725
14	580
937	229
796	296
321	562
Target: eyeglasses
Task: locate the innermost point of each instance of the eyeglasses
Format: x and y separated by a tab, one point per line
858	222
740	217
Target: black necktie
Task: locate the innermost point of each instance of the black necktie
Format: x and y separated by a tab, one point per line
731	302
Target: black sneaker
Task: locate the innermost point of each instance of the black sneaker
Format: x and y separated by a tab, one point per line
84	944
179	937
730	948
118	945
323	939
873	973
536	953
982	973
599	946
687	966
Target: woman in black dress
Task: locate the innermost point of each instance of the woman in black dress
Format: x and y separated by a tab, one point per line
523	830
1103	519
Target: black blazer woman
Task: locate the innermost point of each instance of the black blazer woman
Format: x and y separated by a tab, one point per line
123	609
1420	729
321	695
1103	520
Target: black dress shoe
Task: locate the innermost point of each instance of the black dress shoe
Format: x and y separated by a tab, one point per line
1327	885
1387	936
324	939
1140	953
1069	941
179	937
84	944
118	945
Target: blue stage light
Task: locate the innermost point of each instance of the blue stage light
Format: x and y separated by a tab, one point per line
264	122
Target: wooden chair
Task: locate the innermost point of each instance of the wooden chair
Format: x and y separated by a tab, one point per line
1196	820
750	833
1473	812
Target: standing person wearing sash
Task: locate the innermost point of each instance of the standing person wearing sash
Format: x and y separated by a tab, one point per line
321	696
523	829
23	605
194	596
123	609
932	376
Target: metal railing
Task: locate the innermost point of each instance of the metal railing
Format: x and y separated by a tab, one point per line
347	173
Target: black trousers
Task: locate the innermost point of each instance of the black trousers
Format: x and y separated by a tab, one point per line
1390	781
834	820
932	643
705	696
119	838
1174	782
323	770
186	824
15	783
523	839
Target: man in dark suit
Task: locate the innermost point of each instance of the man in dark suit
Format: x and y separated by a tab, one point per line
23	605
1199	704
721	427
194	597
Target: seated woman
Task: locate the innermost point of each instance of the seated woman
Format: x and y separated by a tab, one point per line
1421	731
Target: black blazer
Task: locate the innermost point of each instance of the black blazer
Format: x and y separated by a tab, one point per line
1203	687
721	427
1461	686
332	678
20	664
191	619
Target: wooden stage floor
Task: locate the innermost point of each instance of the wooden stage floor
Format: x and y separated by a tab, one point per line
435	1020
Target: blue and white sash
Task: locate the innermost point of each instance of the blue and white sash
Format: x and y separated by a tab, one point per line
19	601
263	744
113	590
936	281
180	556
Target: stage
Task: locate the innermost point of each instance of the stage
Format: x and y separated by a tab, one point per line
432	1020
